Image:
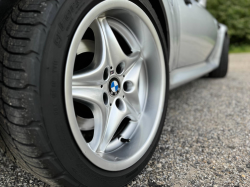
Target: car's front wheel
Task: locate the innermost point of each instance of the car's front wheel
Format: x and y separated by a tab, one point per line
84	89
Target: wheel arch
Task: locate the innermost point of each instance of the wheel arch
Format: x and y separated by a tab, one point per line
162	16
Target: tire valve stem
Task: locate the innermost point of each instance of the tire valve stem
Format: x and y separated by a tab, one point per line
123	140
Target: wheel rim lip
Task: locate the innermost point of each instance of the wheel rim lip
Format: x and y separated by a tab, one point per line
85	23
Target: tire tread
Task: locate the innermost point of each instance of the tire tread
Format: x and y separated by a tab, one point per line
22	135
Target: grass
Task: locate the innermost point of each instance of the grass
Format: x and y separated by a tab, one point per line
239	49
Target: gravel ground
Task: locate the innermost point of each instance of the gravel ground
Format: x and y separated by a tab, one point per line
205	141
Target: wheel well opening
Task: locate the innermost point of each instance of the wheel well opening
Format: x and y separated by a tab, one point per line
161	14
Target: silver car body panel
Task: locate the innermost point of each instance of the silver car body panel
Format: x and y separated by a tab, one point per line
198	33
195	41
184	75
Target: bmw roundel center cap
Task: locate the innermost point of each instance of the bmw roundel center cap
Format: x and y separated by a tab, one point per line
114	86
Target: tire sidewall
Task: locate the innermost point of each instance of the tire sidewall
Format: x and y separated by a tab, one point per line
53	104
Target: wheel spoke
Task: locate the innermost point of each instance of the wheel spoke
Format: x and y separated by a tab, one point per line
130	39
131	85
91	76
119	111
93	98
94	73
85	124
114	50
126	33
86	46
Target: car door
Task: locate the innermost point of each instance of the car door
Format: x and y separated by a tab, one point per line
198	33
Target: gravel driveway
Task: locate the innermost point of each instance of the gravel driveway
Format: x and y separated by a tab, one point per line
205	141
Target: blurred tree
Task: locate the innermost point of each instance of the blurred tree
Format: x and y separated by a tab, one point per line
236	15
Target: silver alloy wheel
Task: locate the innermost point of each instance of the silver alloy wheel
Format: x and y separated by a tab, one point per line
116	86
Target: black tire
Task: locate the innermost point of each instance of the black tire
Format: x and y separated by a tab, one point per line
221	71
33	123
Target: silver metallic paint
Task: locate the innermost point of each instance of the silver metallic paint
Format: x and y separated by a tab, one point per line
203	3
195	41
198	34
184	75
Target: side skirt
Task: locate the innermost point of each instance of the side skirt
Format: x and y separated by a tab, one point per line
184	75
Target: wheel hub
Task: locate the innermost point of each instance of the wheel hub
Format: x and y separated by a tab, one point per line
114	86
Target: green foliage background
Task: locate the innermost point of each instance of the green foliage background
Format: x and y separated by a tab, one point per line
236	15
